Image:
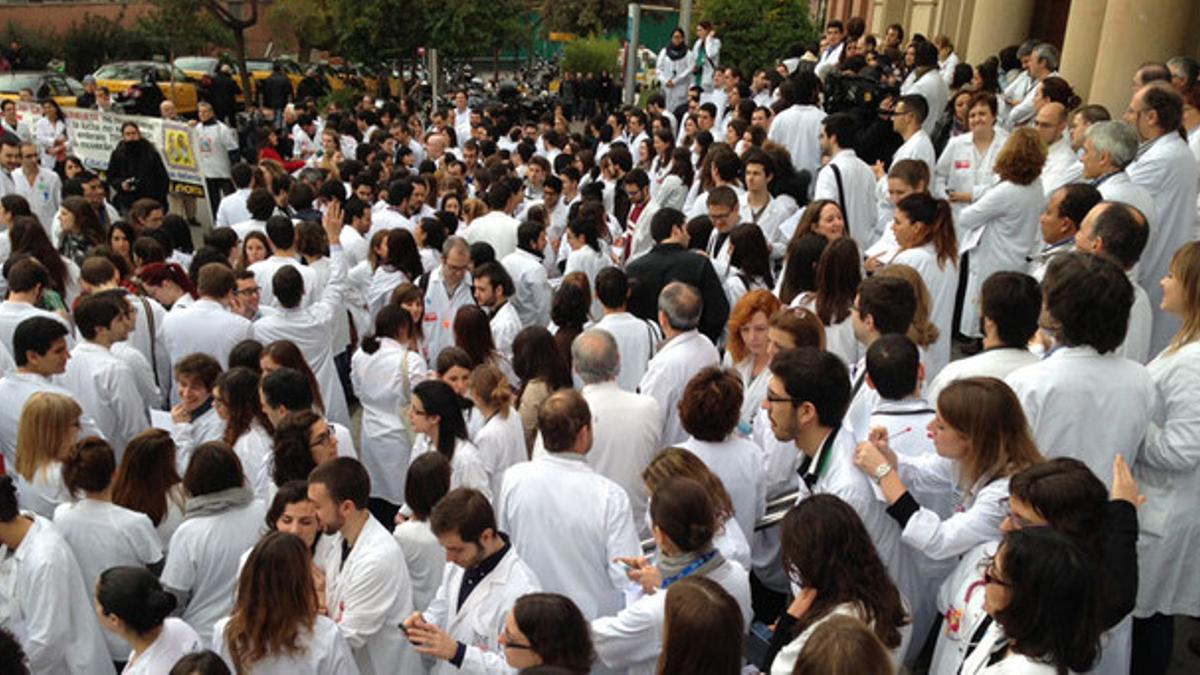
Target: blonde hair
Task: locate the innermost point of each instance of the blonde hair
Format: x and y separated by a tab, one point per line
676	462
922	331
44	430
1185	268
490	388
472	209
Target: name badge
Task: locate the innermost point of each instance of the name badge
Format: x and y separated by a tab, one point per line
431	317
962	164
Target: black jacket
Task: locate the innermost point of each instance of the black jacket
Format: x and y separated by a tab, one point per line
222	94
276	91
140	161
672	262
312	86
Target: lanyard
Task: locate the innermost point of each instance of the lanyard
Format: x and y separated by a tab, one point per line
692	567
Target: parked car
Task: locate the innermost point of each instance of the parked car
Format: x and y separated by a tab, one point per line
204	68
44	84
123	79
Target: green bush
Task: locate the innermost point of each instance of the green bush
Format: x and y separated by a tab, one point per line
757	33
591	55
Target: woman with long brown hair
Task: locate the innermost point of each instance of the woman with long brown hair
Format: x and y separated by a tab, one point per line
285	354
274	626
839	272
703	630
147	481
81	229
922	331
828	553
247	429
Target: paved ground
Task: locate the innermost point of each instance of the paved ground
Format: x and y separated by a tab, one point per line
1185	661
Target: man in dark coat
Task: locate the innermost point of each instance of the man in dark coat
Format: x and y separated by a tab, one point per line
223	93
313	86
275	92
668	261
135	170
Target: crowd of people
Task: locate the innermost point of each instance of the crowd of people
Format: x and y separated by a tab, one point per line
723	384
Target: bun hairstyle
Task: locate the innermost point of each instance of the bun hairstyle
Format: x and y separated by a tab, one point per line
392	321
135	596
682	509
90	466
491	388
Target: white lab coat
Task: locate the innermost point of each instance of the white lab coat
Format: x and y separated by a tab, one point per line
829	59
42	193
941	278
205	326
204	559
1025	110
379	292
858	187
1168	472
754	390
148	339
1136	346
12	313
780	461
845	481
532	299
933	88
589	261
1086	405
675	76
1167	170
440	308
254	449
480	620
104	535
1062	167
633	639
769	219
1012	663
368	596
557	493
919	147
798	129
467	468
176	640
264	274
379	381
962	168
501	444
737	462
505	324
997	362
1000	229
676	362
496	228
424	557
839	337
232	209
321	651
637	341
785	660
15	389
712	61
960	603
311	329
44	604
207	426
107	388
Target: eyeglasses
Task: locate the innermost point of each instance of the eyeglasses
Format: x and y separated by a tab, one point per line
720	216
249	291
321	438
779	399
988	566
24	156
1015	519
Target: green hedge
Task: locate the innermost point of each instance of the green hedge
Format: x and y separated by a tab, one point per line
591	55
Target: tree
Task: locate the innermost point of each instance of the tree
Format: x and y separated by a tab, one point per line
232	15
312	22
180	27
584	16
757	33
380	30
591	55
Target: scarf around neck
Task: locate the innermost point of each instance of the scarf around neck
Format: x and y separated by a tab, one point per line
676	567
676	52
218	502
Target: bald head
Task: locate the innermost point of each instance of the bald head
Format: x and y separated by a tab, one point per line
595	357
1115	229
1051	122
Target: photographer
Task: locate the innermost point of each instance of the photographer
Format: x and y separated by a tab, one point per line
135	170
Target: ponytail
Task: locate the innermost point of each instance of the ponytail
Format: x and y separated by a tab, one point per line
391	322
491	388
135	596
938	218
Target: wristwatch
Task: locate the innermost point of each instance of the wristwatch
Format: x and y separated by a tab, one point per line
881	471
